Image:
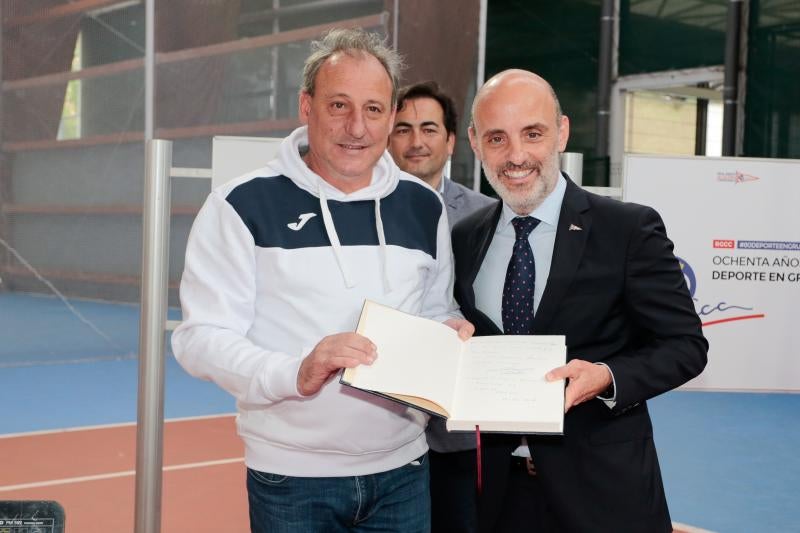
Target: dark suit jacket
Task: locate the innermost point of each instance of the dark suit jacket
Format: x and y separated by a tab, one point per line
616	291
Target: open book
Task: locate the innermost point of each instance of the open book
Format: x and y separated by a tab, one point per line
494	382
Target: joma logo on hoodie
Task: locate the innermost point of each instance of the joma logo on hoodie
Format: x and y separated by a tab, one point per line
297	226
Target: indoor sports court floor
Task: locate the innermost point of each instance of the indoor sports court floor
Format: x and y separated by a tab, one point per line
68	384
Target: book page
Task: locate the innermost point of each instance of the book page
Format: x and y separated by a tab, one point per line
416	356
501	384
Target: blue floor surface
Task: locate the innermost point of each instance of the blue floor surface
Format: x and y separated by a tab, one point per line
57	372
730	460
38	329
87	394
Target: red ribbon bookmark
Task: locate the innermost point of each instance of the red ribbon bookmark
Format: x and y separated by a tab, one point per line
479	479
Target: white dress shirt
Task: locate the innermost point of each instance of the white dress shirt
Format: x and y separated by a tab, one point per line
492	274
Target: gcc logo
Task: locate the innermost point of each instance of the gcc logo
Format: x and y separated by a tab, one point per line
714	313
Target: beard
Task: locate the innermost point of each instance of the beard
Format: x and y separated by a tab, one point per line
523	200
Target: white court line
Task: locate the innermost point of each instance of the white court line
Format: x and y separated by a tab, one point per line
80	361
107	426
112	475
689	529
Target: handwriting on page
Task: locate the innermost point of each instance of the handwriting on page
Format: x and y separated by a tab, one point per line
510	371
507	373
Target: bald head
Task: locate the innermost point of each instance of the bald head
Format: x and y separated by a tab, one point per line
517	132
516	80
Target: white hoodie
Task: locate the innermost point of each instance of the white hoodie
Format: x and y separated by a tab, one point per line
278	259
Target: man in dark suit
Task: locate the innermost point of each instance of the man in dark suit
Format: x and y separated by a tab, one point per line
603	274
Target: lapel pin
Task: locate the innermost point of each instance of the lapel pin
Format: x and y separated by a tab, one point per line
573	227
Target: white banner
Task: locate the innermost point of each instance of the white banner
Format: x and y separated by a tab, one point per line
735	223
232	157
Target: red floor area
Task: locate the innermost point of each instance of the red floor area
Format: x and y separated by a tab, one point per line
196	497
90	473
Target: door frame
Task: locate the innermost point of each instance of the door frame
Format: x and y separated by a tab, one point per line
647	81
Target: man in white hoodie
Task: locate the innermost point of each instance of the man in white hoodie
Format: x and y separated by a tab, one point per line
278	265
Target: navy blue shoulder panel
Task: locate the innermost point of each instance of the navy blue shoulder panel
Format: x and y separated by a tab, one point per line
279	214
411	217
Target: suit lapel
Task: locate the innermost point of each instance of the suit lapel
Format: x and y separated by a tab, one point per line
574	225
471	259
452	195
482	238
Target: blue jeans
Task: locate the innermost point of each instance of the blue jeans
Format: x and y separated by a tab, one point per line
393	501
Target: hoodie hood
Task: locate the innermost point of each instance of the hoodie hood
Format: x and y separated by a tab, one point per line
385	177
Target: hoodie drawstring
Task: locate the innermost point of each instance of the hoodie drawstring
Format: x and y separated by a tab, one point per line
330	229
386	176
387	286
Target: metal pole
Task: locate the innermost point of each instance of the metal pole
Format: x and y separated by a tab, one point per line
730	89
274	58
482	21
149	69
572	166
155	257
395	23
604	77
741	92
701	124
5	176
616	110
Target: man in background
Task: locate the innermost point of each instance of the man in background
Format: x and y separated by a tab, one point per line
422	140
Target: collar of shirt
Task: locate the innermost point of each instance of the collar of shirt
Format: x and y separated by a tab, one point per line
441	184
547	212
